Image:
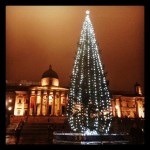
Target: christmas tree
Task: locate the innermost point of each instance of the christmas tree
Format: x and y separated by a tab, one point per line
89	105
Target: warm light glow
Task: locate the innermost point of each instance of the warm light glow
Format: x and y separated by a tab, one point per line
140	110
114	25
50	81
87	12
140	91
118	111
55	82
50	97
10	100
9	108
117	107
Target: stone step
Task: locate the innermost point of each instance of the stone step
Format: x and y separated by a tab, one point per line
35	129
35	133
33	140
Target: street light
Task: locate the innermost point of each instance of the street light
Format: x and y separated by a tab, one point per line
9	108
10	100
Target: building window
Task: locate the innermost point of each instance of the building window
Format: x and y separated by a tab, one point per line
26	112
63	110
19	101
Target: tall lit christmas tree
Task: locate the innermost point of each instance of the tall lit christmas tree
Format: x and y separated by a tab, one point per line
89	105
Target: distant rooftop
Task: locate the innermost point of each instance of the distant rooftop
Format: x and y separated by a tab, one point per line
22	83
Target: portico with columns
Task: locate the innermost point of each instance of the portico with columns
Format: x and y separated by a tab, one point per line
47	101
49	98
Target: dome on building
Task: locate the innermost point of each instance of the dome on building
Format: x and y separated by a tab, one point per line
50	78
50	73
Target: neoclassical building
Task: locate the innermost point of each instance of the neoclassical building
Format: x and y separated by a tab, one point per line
47	98
129	105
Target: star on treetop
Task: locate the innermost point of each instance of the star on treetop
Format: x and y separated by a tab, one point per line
87	12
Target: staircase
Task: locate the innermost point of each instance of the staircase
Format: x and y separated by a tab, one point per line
35	130
10	138
34	133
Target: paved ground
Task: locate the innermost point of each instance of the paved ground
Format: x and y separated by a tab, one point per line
35	131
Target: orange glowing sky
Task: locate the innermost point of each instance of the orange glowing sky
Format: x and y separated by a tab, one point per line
37	36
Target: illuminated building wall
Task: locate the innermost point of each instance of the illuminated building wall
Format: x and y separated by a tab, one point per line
46	101
125	106
48	81
23	103
51	99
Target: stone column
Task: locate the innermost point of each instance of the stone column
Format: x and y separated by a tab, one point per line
41	102
44	104
32	102
54	103
35	103
38	102
29	105
113	107
59	104
118	109
139	108
48	103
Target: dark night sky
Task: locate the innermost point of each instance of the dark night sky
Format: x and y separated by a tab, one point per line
37	36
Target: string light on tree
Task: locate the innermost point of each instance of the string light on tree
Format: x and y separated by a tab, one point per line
89	104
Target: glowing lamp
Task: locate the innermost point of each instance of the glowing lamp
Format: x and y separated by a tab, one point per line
9	108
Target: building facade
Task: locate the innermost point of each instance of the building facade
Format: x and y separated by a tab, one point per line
47	98
128	106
